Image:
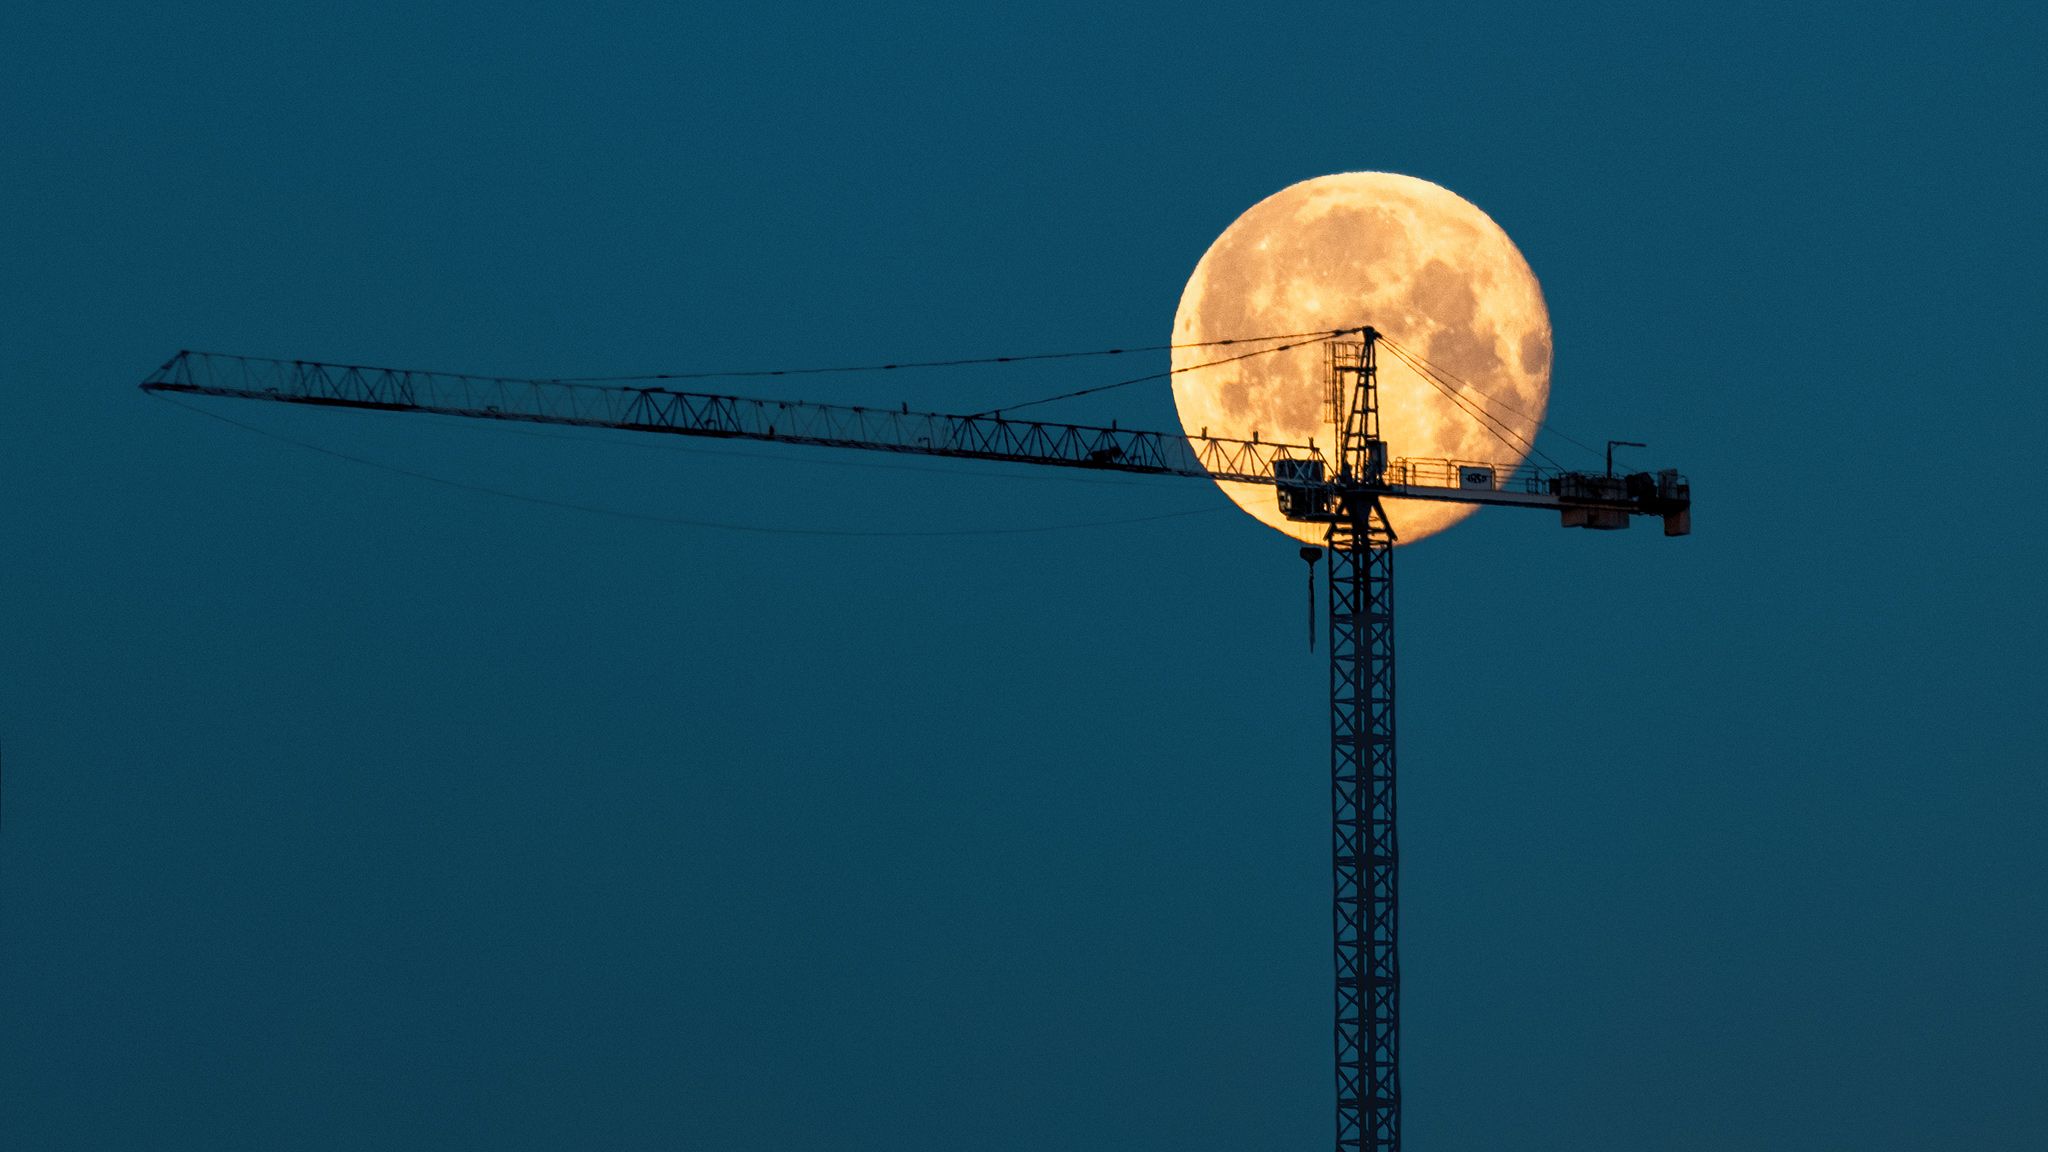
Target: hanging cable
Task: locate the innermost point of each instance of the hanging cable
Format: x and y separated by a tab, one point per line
1311	554
1500	430
1491	398
1320	337
688	446
1507	436
649	517
962	363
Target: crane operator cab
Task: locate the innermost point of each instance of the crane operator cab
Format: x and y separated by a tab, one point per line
1304	494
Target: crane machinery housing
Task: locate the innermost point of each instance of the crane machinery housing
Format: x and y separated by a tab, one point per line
1346	494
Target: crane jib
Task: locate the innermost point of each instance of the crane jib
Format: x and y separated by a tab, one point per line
981	437
1587	500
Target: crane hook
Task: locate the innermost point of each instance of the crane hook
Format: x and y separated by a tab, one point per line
1311	553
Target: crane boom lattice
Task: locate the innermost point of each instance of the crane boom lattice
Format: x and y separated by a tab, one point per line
1351	507
989	437
1365	860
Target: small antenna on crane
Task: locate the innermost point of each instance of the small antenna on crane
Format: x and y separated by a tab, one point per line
1612	445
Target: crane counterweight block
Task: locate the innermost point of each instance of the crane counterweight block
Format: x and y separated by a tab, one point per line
1593	500
1581	499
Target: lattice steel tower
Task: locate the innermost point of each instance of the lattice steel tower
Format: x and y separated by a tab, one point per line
1365	855
1364	850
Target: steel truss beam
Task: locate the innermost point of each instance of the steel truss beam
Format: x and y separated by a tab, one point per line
989	436
1364	854
980	437
1364	857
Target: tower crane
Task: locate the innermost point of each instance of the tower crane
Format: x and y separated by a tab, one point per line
1345	493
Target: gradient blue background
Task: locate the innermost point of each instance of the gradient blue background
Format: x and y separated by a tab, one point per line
345	810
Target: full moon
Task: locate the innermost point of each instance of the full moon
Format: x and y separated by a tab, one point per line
1415	261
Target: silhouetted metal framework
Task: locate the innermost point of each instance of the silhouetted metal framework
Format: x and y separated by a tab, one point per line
1364	853
991	437
1365	856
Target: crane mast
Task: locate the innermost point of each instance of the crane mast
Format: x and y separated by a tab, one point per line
1365	857
1364	853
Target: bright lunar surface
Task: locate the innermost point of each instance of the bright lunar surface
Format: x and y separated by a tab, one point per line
1415	261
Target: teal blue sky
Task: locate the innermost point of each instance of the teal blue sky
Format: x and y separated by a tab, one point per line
348	810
